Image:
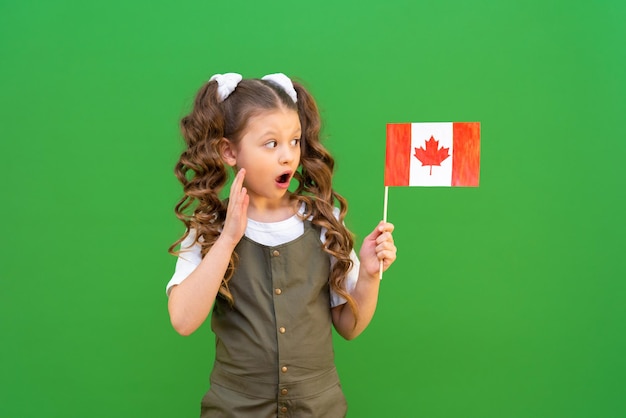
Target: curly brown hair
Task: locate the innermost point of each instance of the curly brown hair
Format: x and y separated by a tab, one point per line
203	174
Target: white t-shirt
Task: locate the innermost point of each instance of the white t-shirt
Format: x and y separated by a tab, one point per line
265	233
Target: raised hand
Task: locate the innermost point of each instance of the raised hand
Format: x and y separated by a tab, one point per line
237	211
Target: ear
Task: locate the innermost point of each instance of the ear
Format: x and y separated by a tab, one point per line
228	152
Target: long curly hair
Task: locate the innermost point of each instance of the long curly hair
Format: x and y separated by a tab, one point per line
203	174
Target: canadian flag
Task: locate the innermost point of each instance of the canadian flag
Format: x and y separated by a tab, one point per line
433	154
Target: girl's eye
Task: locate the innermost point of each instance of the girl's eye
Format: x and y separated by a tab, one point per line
271	144
295	142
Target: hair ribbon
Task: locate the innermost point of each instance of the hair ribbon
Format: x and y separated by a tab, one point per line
226	84
283	82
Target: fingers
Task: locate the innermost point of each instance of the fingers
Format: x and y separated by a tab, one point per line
236	214
386	251
385	227
383	232
385	247
238	194
237	187
382	228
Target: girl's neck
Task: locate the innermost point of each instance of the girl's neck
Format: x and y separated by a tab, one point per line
261	210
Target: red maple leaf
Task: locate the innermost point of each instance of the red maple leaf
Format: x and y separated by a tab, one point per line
432	154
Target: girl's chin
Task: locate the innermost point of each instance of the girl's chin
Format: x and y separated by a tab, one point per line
276	194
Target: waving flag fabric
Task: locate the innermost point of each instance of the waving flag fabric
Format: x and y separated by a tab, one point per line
433	154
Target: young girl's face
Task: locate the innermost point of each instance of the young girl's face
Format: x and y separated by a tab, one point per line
269	150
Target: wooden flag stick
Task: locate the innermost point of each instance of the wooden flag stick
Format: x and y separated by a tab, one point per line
380	274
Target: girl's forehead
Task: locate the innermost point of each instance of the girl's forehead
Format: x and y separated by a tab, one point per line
279	112
281	119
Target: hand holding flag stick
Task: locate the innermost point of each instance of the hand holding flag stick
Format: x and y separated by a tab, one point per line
418	154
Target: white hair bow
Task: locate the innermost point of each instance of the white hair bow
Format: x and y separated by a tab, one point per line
285	83
226	84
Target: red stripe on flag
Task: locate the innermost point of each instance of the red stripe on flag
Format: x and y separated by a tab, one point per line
398	157
466	154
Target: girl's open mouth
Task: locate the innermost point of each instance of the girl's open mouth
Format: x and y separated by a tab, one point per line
283	179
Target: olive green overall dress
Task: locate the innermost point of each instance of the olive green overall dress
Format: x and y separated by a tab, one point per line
274	354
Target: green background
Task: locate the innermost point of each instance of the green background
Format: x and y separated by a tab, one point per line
506	300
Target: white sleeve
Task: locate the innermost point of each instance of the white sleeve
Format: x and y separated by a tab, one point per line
188	259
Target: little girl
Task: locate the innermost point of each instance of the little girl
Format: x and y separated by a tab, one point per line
276	267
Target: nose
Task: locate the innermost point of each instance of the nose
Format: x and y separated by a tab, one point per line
287	155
